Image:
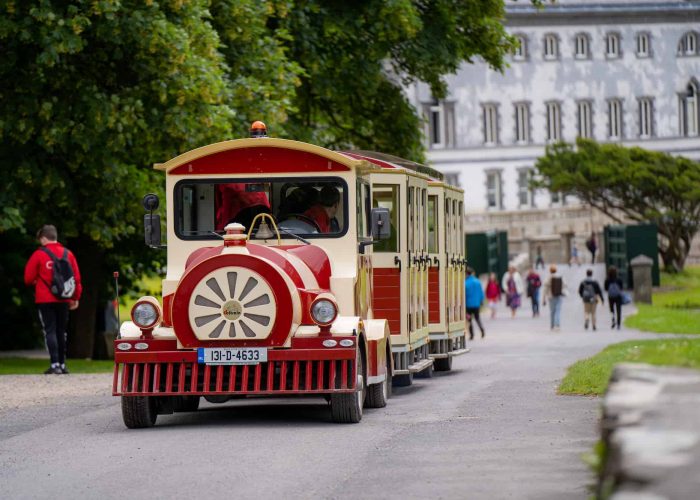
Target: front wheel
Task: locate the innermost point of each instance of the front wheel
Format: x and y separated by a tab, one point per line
347	408
139	412
378	394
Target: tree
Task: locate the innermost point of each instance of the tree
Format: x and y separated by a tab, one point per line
357	55
631	184
93	93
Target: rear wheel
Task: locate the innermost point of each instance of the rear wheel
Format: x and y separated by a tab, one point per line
378	394
443	364
347	408
185	403
139	411
402	380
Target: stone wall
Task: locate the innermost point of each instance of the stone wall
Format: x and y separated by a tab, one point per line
651	431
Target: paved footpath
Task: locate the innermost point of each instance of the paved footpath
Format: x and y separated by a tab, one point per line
492	428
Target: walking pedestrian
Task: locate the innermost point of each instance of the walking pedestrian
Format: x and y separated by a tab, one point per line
613	287
533	291
539	261
513	285
592	246
493	293
554	290
53	271
574	256
474	297
589	291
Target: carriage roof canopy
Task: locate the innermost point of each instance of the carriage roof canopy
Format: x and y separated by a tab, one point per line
259	156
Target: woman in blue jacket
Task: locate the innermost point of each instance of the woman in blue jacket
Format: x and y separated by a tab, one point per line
474	296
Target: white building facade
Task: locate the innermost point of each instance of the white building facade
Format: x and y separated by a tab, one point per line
617	71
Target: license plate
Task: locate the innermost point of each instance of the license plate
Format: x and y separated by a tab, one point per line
231	355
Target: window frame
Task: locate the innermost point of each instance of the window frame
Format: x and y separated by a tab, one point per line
587	106
645	37
525	189
553	121
490	125
497	189
178	207
522	108
645	110
582	40
689	110
613	39
550	41
686	49
619	122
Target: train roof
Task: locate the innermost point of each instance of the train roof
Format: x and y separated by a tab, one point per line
390	161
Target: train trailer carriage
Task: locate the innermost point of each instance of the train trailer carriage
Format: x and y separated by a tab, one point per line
419	270
279	304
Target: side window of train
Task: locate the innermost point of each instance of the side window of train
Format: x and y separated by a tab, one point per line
362	200
461	228
432	224
448	236
387	196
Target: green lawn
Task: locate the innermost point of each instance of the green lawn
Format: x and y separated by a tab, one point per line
148	285
590	376
31	366
675	307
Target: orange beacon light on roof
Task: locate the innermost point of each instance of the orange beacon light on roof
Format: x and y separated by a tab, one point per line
258	129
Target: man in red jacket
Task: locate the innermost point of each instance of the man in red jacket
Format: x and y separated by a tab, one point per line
53	311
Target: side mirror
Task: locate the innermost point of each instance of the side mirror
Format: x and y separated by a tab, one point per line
381	223
150	202
151	225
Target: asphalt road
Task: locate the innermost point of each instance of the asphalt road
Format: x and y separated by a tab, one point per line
492	428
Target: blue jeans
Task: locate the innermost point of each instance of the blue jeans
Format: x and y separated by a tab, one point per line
535	298
554	311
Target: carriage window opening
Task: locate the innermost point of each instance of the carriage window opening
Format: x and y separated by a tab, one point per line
424	220
386	196
303	206
432	224
448	236
460	235
362	206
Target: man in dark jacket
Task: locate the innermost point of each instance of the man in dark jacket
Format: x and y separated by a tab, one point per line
53	311
589	291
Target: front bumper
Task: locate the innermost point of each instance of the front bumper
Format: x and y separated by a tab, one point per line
164	370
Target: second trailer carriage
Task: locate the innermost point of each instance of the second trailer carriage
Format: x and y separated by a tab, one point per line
293	270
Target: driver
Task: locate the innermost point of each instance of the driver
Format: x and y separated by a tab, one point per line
323	212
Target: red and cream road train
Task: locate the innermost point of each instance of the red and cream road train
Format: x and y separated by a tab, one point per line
294	270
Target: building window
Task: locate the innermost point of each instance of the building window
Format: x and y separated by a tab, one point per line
646	117
522	122
553	121
551	47
581	46
440	124
520	50
490	112
688	44
614	119
643	45
690	110
557	198
494	194
525	195
612	45
585	122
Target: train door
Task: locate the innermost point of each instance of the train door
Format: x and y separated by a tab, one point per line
450	277
436	292
389	259
417	255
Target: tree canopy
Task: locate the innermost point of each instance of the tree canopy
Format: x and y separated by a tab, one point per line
631	184
94	92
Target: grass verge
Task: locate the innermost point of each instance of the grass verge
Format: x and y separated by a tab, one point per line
33	366
675	308
590	376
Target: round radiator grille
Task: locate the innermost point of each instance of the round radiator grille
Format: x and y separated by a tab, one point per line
232	303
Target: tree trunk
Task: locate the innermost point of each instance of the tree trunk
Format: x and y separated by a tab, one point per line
81	337
674	256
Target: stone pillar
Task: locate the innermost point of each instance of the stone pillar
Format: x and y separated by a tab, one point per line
641	277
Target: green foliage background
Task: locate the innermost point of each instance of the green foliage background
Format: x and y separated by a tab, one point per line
93	92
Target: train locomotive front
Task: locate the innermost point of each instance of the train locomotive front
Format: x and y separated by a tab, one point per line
262	309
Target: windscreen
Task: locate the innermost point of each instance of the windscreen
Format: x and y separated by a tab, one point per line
305	207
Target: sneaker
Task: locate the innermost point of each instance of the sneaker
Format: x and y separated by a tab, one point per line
65	371
585	325
613	324
483	335
594	328
52	371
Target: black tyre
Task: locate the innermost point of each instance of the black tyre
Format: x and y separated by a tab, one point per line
139	411
443	364
402	380
378	394
185	403
347	408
